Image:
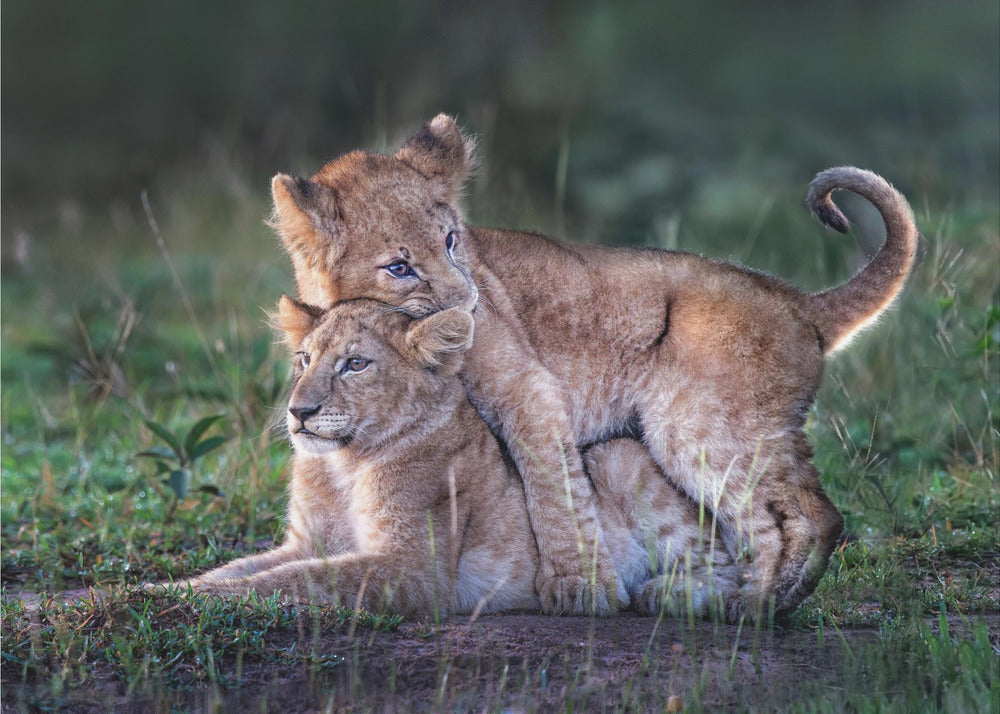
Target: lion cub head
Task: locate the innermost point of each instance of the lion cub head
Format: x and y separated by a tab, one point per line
382	227
365	373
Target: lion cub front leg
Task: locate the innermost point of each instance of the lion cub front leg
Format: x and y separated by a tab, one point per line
373	581
242	567
575	574
522	402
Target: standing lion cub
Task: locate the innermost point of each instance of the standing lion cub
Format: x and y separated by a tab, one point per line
716	366
401	498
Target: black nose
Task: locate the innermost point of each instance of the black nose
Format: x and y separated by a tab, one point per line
302	413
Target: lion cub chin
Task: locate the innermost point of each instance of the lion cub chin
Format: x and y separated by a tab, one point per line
402	500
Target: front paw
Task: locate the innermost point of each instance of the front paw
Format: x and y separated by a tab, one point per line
168	587
576	595
699	599
749	604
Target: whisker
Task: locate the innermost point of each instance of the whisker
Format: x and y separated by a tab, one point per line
487	303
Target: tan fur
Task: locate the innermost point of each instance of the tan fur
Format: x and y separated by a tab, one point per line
401	498
715	365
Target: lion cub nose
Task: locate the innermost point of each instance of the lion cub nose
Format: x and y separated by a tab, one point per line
303	413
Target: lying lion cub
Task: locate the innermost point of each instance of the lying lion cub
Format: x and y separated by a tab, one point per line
716	366
402	499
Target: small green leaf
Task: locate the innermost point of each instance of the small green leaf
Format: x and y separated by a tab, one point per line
179	481
167	436
209	444
214	490
197	431
158	452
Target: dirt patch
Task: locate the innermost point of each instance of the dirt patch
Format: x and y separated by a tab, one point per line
509	662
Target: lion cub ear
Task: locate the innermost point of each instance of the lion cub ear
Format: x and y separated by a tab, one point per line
301	208
294	320
307	219
442	154
439	341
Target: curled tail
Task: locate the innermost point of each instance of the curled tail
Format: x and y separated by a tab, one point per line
841	312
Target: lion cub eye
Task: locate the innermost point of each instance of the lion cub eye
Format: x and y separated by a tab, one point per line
400	269
449	241
302	360
354	365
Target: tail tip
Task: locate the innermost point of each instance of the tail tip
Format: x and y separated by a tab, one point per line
828	214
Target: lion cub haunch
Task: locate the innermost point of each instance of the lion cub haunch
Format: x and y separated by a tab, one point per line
714	364
401	498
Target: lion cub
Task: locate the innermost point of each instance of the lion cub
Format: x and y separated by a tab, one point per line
401	497
714	365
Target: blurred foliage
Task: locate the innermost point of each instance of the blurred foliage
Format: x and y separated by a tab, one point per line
99	97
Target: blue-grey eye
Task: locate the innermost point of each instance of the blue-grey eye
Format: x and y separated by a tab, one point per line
449	241
302	358
400	269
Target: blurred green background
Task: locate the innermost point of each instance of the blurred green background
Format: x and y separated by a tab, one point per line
103	99
683	125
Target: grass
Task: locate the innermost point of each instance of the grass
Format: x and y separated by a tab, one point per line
176	641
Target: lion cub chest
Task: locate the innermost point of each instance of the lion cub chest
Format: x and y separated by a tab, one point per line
323	516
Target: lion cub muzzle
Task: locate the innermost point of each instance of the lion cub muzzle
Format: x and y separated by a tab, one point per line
314	429
300	415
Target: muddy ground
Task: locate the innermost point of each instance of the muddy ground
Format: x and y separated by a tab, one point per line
511	663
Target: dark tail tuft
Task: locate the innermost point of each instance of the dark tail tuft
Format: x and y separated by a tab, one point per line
841	312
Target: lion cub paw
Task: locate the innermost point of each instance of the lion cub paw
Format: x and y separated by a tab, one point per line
696	599
751	605
575	595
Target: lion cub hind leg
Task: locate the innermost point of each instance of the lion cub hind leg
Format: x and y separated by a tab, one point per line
698	583
666	548
768	501
810	537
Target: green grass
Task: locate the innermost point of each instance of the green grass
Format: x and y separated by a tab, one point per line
916	668
177	640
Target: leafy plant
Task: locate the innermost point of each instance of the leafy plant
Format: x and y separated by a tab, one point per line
179	456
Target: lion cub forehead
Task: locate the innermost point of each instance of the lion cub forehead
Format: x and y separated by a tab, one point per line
357	324
362	173
384	191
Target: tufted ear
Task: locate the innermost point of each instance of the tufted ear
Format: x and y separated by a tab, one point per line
301	208
294	320
440	340
308	220
442	154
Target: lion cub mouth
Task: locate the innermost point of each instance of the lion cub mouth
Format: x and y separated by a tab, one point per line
339	441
